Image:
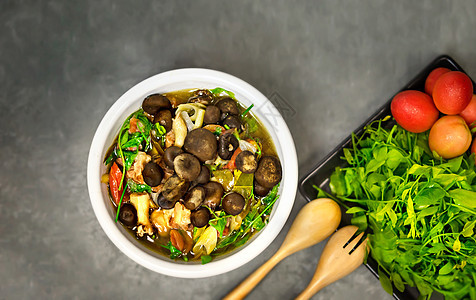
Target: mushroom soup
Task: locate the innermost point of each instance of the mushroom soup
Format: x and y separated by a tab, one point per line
192	174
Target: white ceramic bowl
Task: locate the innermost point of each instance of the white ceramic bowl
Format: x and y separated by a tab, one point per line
178	80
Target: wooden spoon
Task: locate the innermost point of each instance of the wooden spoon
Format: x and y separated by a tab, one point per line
316	221
336	262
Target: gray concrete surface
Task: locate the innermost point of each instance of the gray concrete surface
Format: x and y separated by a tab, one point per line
64	63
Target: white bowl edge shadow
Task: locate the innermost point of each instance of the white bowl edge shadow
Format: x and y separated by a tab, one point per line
188	79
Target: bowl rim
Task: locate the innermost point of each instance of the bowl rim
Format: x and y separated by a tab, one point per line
281	210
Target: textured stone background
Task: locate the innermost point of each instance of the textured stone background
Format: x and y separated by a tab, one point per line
64	63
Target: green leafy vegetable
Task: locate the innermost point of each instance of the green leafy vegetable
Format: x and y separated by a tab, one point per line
206	259
219	220
218	91
129	144
174	252
217	131
421	210
251	125
137	188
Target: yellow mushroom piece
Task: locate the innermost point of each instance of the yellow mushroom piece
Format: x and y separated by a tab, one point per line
141	202
180	131
195	112
235	222
206	242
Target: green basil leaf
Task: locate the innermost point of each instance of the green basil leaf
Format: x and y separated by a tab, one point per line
464	197
385	282
355	209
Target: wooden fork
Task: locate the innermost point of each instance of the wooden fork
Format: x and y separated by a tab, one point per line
342	254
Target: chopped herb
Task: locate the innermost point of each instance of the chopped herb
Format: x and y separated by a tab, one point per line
226	126
135	187
217	131
247	110
206	259
219	220
218	91
160	129
174	252
236	134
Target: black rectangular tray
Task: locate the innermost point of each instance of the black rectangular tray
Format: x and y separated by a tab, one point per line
321	173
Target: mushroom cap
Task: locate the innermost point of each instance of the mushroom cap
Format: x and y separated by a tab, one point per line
213	193
204	97
212	115
260	190
228	106
164	118
128	215
155	102
246	162
227	144
269	172
201	143
169	155
165	203
187	166
152	174
200	217
233	203
174	188
204	176
232	122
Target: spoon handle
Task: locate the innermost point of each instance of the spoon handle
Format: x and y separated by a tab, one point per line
312	289
252	280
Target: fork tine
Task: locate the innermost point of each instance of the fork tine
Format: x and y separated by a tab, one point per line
351	238
362	239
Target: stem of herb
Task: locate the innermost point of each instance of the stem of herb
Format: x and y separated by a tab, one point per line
247	110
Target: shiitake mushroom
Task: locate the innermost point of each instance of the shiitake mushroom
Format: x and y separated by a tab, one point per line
187	166
228	106
213	193
232	122
212	115
204	97
269	171
155	102
227	144
164	118
200	217
128	215
174	188
260	190
233	203
201	143
170	154
194	198
246	162
152	174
